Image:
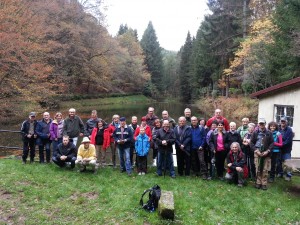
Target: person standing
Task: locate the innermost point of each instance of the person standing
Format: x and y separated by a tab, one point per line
142	146
155	129
43	137
233	135
91	123
165	116
111	128
242	130
134	125
73	126
123	136
198	148
165	138
65	152
262	144
183	140
151	117
188	115
28	132
56	130
218	117
287	144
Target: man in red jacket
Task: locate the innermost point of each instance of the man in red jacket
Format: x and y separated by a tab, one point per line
217	117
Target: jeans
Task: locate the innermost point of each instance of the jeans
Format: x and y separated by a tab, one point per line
45	144
165	160
55	144
284	156
125	164
28	145
275	164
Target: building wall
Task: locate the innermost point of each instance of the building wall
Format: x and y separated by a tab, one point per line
290	97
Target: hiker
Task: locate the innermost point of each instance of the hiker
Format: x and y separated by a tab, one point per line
242	130
211	156
151	117
142	146
233	135
28	132
133	126
248	152
237	169
111	128
157	126
100	137
123	136
91	123
56	131
275	158
287	144
73	126
43	137
187	114
183	140
218	144
165	116
218	117
65	152
146	127
198	148
86	156
261	144
165	138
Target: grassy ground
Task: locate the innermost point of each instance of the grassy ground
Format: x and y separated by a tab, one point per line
46	194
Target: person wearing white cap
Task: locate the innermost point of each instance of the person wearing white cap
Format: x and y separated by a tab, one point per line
261	144
86	155
29	137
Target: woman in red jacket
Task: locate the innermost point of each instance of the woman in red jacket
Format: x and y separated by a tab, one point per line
101	139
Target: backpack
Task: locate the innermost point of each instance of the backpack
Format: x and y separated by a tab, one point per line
154	196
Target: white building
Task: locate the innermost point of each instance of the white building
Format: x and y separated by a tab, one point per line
282	100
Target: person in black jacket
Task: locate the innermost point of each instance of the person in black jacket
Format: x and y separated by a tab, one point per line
28	132
65	152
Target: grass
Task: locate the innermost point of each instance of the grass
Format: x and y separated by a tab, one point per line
46	194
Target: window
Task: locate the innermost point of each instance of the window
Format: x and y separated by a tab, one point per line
284	110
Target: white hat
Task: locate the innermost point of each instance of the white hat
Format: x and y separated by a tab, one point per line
85	140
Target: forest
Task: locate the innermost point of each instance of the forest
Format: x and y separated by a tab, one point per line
58	50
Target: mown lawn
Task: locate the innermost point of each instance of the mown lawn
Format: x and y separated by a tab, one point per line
46	194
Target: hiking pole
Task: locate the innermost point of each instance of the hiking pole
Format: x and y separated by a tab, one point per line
165	162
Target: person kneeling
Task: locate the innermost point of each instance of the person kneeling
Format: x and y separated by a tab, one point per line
65	152
86	156
237	169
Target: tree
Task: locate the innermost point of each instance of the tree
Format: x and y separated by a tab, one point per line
153	56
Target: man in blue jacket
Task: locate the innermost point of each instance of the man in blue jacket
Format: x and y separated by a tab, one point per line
183	140
197	152
43	141
287	143
123	136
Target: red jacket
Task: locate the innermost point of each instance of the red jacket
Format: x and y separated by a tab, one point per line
147	131
111	128
106	137
226	124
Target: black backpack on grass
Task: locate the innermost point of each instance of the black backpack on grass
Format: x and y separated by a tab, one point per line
154	196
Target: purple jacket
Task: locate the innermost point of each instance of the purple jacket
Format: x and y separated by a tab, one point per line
53	129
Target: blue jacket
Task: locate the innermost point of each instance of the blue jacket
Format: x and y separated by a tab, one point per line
198	137
142	145
184	138
127	136
287	139
43	130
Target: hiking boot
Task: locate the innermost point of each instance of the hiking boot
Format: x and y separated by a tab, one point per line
173	176
154	163
140	173
287	178
258	186
143	173
204	177
271	180
264	187
240	185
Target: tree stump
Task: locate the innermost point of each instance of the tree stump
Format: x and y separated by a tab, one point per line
166	207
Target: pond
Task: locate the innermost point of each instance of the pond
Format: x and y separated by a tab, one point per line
106	112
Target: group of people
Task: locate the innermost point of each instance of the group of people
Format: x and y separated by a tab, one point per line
211	149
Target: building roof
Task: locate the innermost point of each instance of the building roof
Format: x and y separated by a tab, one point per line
277	87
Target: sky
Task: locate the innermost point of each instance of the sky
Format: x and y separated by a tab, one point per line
171	19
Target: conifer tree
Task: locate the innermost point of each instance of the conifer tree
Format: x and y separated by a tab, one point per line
153	56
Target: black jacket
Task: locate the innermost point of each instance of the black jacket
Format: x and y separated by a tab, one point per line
267	143
168	136
25	129
69	150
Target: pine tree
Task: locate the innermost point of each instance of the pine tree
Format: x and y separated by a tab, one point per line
153	56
